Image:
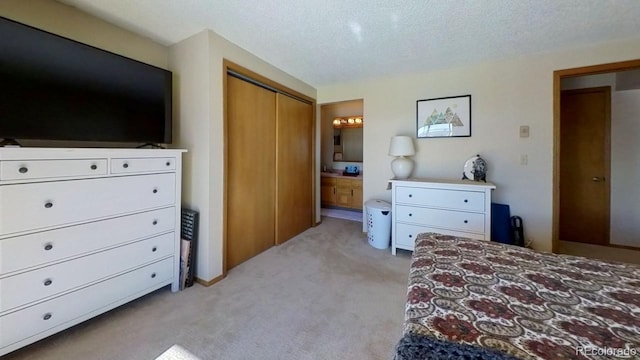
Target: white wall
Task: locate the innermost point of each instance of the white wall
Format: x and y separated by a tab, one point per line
505	94
192	114
198	63
625	168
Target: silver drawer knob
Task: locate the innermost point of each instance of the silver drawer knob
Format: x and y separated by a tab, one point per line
466	221
23	170
155	191
47	316
125	165
48	282
94	166
48	246
155	222
154	249
48	205
153	275
465	200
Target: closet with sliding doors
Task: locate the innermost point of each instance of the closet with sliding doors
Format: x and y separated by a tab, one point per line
269	175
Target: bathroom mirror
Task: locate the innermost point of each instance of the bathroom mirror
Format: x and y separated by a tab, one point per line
348	142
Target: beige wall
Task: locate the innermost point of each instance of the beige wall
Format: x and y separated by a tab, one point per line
197	63
69	22
505	94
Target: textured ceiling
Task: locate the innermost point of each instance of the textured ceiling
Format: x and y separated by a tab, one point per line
333	41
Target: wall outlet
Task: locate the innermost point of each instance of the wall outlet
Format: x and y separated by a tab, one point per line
524	131
524	159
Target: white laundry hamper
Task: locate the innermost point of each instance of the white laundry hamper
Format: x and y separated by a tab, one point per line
378	223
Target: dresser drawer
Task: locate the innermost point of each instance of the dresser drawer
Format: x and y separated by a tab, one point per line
41	169
441	198
455	220
40	205
405	234
55	245
134	165
38	284
33	320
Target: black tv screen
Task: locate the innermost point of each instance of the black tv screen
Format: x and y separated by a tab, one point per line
54	88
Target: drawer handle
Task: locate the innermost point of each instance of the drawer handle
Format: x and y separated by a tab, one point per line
154	249
125	165
466	221
155	222
410	195
168	163
23	170
465	200
94	166
48	282
155	191
153	275
410	214
48	247
48	205
47	316
410	236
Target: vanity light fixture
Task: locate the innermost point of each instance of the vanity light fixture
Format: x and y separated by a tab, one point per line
347	122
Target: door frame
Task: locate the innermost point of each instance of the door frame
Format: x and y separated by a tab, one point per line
558	75
231	66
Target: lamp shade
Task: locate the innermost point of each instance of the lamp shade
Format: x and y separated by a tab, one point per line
401	146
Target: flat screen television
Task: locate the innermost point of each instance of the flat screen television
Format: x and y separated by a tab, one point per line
54	88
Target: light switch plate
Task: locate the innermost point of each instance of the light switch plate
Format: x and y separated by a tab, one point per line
524	131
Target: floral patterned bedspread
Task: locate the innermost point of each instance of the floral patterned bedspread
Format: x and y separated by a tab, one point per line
528	304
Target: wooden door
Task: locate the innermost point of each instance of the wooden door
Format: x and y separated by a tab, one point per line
585	123
294	174
251	138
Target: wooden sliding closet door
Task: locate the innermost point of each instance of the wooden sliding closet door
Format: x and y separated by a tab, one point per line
251	170
294	167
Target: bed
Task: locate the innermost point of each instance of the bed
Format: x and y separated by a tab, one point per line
471	299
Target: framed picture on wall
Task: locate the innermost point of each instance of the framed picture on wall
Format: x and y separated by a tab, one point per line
444	117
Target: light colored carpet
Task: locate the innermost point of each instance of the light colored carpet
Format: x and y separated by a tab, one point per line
325	294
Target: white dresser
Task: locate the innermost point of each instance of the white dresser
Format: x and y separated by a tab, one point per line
451	207
83	231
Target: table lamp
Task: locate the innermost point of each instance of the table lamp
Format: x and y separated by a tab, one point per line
401	146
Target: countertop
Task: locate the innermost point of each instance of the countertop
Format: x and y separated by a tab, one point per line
338	174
